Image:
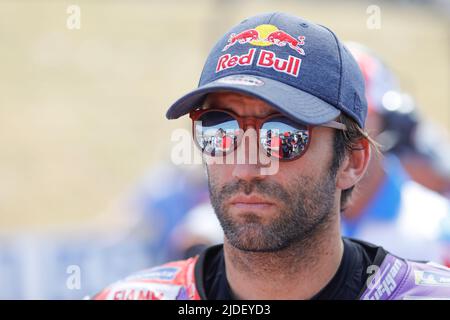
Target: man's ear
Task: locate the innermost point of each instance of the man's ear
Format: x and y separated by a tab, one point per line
354	165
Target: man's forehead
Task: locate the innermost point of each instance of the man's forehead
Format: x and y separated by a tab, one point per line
239	103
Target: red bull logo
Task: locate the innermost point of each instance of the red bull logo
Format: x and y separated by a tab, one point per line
263	36
266	59
267	35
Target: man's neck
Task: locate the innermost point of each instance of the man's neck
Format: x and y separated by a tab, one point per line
298	272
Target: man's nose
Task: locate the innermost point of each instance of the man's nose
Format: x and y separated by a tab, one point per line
248	159
247	172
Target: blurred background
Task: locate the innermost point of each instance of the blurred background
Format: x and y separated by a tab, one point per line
88	193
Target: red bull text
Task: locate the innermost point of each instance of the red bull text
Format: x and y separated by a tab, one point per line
266	59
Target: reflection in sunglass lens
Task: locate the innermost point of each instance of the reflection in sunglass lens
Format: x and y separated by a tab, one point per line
216	133
283	138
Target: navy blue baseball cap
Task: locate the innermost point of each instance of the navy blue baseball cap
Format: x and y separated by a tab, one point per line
298	67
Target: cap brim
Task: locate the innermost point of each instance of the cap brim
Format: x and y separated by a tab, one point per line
302	106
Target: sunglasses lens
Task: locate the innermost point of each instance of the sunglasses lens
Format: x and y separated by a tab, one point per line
283	138
216	133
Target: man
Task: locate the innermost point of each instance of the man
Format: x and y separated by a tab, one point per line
390	209
279	73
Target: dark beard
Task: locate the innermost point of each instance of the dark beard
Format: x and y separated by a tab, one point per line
308	207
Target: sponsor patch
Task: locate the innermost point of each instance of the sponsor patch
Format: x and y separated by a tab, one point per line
143	291
388	282
264	36
428	278
158	273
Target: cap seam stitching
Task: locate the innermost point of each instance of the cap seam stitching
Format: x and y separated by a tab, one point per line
340	64
271	17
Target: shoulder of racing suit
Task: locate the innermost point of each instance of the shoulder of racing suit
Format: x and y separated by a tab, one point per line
394	278
170	281
391	278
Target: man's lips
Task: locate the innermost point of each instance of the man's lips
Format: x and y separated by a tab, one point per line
250	202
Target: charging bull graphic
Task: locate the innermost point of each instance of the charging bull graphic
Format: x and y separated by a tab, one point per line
281	38
266	35
243	37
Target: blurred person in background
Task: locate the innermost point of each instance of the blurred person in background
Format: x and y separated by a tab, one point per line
198	230
389	207
428	161
161	207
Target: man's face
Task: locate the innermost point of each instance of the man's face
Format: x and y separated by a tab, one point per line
270	212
